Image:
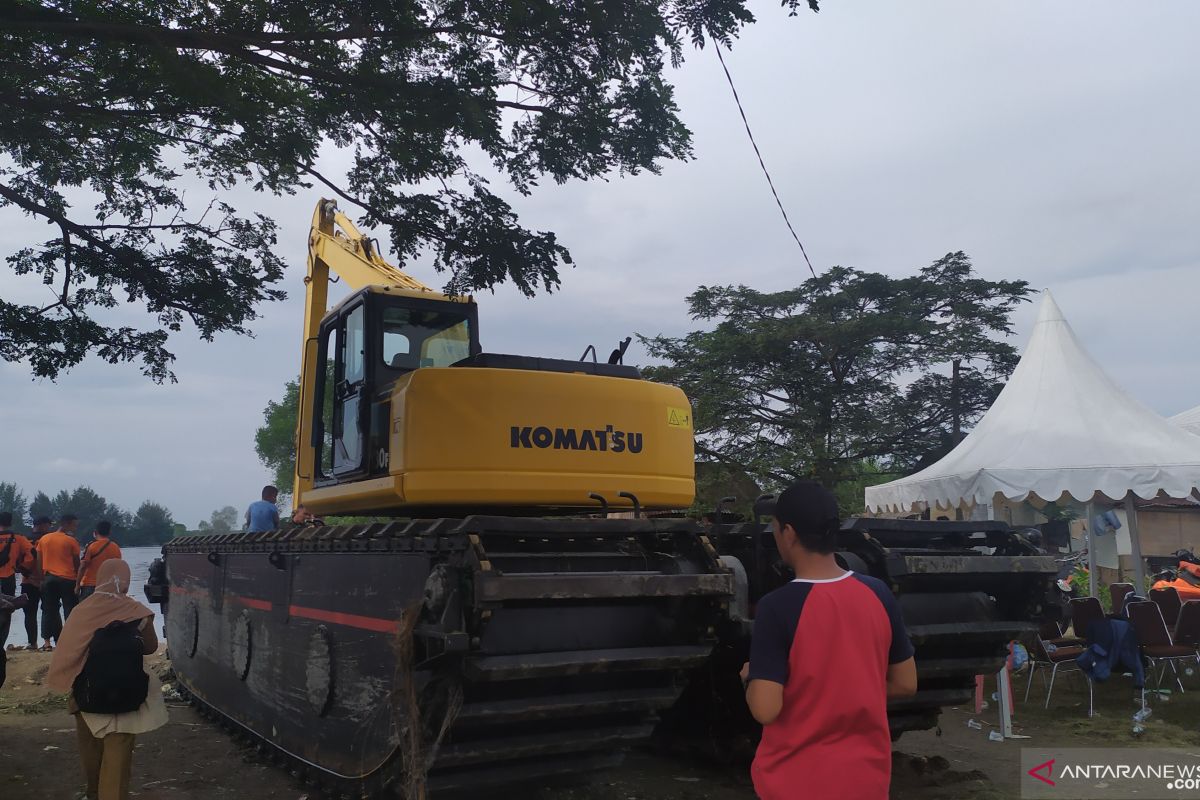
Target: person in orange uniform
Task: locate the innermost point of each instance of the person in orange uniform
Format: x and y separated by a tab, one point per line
31	583
58	558
99	550
15	554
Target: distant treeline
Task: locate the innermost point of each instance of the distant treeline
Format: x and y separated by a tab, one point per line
151	524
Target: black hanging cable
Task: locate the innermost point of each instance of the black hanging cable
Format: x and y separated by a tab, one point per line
761	163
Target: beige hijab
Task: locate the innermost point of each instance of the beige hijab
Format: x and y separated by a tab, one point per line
109	604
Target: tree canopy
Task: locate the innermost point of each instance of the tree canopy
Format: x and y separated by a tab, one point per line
151	524
12	500
275	439
223	520
125	127
847	376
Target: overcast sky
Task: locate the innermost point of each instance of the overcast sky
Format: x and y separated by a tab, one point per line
1051	142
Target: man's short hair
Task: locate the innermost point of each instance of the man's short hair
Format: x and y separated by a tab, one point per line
67	519
5	518
104	527
812	512
268	491
43	520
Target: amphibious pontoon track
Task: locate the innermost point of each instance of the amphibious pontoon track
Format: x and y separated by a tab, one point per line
456	652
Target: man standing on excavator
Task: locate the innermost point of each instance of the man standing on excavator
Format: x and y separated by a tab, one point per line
828	651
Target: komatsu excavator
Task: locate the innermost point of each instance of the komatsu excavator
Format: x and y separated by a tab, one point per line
422	419
493	633
485	637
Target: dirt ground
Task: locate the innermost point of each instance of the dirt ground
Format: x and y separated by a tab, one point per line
192	759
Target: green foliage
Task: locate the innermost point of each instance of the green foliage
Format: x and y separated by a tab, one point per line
716	481
275	440
41	506
119	106
850	492
1081	579
90	507
152	524
847	370
12	499
223	520
1053	512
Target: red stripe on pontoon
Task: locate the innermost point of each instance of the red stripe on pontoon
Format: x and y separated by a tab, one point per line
351	620
261	605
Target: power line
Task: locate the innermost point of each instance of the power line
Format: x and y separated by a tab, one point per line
761	163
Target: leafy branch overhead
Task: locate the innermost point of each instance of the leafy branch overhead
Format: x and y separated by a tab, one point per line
847	370
111	111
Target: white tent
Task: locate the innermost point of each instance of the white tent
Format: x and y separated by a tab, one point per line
1188	420
1060	425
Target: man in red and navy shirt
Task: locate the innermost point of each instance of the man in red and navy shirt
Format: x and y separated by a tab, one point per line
828	651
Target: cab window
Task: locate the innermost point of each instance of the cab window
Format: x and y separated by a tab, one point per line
354	343
416	337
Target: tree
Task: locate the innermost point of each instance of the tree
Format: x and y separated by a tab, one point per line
90	507
715	482
152	524
223	520
112	108
12	499
846	376
275	440
41	506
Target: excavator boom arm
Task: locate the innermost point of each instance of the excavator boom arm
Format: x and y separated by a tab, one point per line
334	244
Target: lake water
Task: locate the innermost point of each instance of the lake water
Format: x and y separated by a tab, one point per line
139	559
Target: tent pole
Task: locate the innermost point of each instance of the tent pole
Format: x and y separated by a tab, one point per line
1135	543
1093	579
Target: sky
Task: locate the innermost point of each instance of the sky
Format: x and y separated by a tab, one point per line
1053	143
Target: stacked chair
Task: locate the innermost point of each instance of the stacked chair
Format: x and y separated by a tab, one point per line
1119	592
1154	638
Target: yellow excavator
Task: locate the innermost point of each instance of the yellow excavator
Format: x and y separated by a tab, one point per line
485	635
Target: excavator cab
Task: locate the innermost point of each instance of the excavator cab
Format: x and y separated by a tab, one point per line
402	413
369	341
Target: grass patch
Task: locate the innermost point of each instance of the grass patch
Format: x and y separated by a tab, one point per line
43	705
1173	722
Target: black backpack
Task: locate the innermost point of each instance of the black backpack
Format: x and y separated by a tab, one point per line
113	680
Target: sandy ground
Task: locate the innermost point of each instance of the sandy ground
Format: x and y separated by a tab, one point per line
191	759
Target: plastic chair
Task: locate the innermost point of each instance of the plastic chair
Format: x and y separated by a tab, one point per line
1051	632
1085	611
1187	627
1168	601
1155	640
1120	593
1049	655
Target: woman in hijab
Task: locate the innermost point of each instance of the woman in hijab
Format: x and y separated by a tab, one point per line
106	740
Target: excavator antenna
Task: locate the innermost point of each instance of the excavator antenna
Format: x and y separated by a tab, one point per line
618	356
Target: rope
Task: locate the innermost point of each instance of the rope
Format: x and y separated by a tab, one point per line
761	163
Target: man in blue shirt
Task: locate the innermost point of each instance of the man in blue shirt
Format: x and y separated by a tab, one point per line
263	515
